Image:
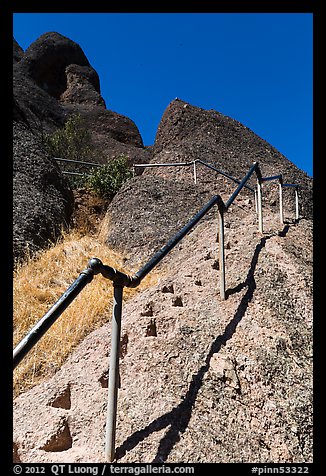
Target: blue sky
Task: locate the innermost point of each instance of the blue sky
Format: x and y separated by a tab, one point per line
254	67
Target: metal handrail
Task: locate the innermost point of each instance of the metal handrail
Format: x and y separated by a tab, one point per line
193	163
77	162
95	266
253	168
121	280
258	190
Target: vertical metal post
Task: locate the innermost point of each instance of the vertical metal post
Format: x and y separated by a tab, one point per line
296	204
113	374
260	208
281	202
221	252
256	203
195	173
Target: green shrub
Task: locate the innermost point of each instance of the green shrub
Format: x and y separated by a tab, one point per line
72	142
106	180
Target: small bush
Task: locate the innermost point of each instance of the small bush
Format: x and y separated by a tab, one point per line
105	181
72	142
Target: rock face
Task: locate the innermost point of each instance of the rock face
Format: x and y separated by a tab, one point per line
46	59
140	217
42	200
53	79
201	380
187	132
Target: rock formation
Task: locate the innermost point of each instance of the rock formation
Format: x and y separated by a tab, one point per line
53	79
201	379
42	200
139	219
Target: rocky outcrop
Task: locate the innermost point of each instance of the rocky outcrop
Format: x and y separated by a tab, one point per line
152	208
188	132
42	200
112	134
201	380
53	79
46	59
82	86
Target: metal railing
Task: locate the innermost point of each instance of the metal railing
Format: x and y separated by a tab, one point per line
121	280
76	162
257	190
193	163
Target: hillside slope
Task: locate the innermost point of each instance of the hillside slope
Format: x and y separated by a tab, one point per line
202	380
149	209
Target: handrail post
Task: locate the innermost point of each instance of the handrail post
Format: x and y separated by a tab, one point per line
221	251
113	374
260	208
296	204
256	202
195	173
281	202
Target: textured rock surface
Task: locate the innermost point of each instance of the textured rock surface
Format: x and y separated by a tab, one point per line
201	380
46	59
53	79
82	86
152	207
205	381
42	201
187	132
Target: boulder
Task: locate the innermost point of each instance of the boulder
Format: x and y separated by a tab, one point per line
52	80
42	199
188	132
46	59
149	210
83	86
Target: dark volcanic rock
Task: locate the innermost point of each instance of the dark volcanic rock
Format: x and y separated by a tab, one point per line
46	59
42	200
83	86
18	51
34	106
53	80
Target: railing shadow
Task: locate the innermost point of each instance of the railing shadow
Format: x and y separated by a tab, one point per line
179	417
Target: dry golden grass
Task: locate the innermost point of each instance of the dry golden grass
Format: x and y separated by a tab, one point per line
39	282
